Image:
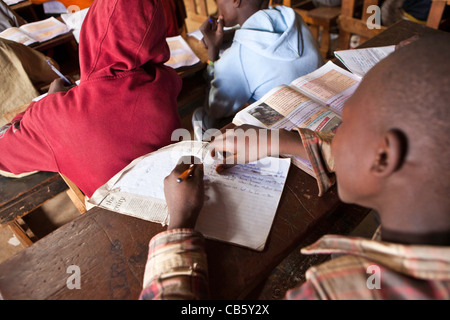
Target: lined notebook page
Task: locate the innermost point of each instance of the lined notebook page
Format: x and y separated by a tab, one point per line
241	204
239	207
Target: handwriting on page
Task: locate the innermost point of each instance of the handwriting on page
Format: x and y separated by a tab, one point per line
240	205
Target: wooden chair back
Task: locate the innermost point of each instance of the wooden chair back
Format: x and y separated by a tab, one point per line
75	194
436	12
197	10
349	24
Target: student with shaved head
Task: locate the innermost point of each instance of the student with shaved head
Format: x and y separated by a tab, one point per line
390	153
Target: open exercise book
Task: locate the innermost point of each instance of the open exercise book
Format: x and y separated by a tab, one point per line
40	31
240	204
360	61
313	101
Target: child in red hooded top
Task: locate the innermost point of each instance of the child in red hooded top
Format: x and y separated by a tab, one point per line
124	107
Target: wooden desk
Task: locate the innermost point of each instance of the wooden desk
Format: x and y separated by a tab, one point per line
59	40
111	249
201	53
21	5
25	6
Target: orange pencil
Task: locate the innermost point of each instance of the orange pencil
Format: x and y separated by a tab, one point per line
186	174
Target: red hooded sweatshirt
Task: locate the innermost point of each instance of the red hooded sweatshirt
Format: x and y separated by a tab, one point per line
124	107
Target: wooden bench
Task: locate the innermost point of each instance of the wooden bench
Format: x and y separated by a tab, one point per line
18	197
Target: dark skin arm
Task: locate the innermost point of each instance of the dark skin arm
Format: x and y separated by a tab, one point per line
277	142
184	199
58	85
213	36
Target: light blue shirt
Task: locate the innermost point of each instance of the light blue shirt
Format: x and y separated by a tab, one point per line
272	47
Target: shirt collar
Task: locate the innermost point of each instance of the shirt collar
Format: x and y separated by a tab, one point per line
419	261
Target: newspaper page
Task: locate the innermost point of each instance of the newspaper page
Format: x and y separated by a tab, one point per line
181	55
313	101
360	61
286	108
329	85
240	204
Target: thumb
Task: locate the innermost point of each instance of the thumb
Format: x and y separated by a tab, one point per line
220	24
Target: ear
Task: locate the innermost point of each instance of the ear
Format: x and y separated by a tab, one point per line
390	154
237	3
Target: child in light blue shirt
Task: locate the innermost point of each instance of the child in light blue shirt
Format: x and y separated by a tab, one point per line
272	47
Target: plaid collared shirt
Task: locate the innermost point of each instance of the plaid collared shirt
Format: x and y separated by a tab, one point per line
318	148
177	267
376	270
369	269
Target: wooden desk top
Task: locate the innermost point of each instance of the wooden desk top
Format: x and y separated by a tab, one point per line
398	32
201	53
21	5
111	249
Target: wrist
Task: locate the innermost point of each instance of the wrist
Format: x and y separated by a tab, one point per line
213	54
290	143
183	219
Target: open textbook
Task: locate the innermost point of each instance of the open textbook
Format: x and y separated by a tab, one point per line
360	61
239	207
40	31
313	101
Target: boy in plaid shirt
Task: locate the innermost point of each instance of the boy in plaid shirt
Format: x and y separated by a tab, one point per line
390	154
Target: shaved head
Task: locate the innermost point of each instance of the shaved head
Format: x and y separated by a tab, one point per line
409	91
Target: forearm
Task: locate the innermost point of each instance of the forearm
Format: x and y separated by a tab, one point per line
290	143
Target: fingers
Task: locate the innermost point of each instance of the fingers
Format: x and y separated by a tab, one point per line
58	85
228	163
243	144
184	164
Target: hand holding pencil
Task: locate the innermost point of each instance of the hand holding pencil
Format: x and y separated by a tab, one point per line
212	30
184	193
62	84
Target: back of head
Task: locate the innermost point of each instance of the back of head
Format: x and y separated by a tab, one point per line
109	43
411	92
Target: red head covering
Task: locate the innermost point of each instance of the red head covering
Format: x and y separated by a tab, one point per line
118	112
